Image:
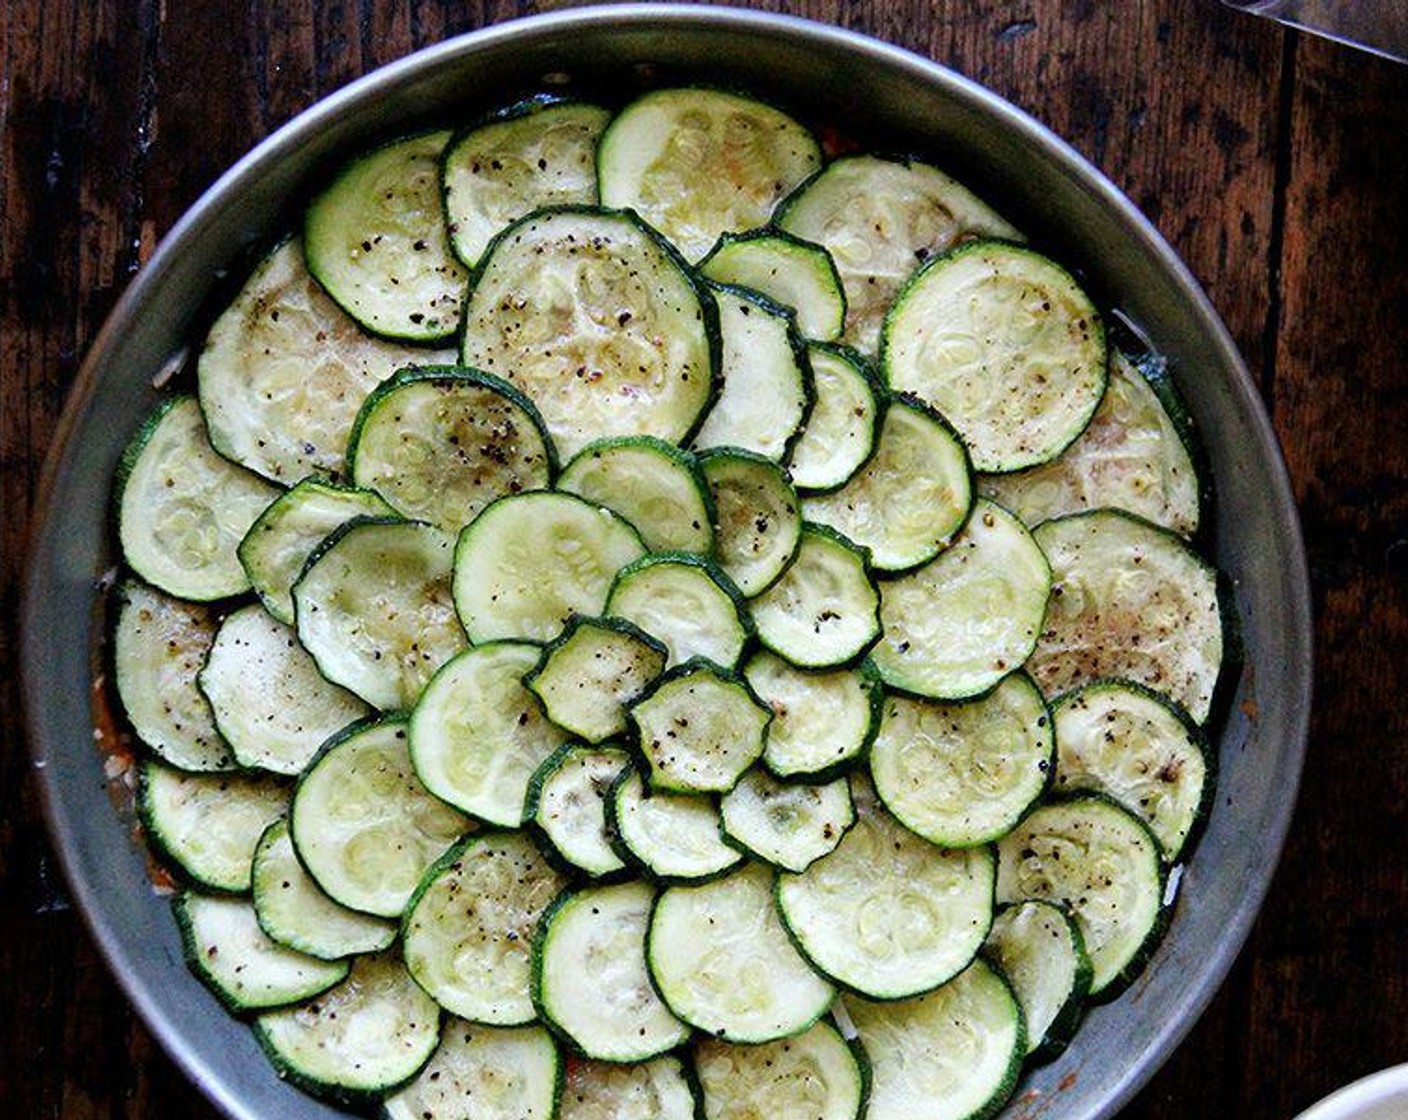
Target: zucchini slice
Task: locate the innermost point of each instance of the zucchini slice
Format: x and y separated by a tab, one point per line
653	158
598	322
590	980
686	602
767	388
652	484
478	735
787	824
1102	863
362	823
159	646
294	911
878	218
700	727
484	1073
373	608
1131	456
1130	600
1040	951
824	610
284	371
539	152
531	561
823	720
278	544
817	1071
958	625
673	836
239	963
588	675
841	430
376	240
910	498
759	519
208	825
440	443
888	914
723	962
182	509
1006	345
660	1089
567	800
358	1041
270	702
791	272
964	774
468	928
1123	740
953	1054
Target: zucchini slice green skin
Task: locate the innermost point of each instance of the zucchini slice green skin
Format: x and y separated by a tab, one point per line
763	1080
660	1089
567	801
759	526
793	273
685	601
842	428
824	720
672	837
1040	951
787	824
510	1073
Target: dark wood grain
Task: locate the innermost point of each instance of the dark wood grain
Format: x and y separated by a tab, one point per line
1276	164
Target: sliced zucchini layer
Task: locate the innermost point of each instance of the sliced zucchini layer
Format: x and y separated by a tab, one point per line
478	735
484	1073
159	646
567	800
239	963
686	602
723	962
791	272
360	1040
208	825
440	443
878	218
373	608
653	158
672	836
888	914
376	240
530	562
1100	862
759	520
964	774
767	390
598	322
953	1054
468	927
790	825
540	152
652	484
822	720
590	979
659	1089
587	676
1131	456
279	543
270	702
1132	744
816	1075
182	508
840	432
958	625
284	371
294	911
700	727
824	610
910	498
364	826
1004	343
1129	600
1040	951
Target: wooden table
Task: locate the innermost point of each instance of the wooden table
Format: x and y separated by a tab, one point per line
1276	164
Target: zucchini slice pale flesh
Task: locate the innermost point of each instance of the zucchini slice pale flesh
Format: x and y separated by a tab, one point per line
484	1073
817	1075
